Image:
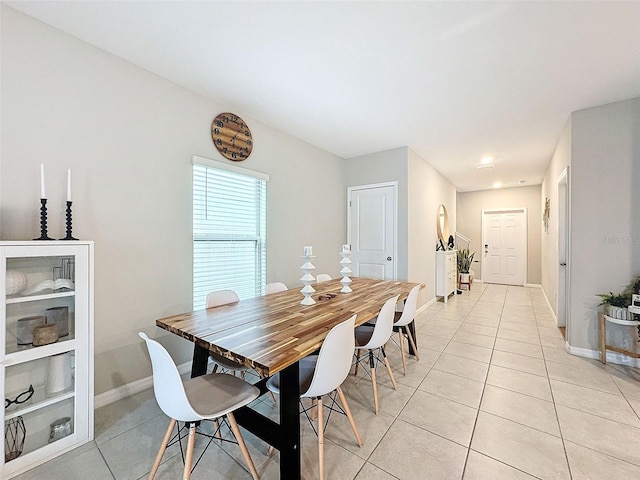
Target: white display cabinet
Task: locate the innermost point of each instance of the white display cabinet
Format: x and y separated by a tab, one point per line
48	389
446	273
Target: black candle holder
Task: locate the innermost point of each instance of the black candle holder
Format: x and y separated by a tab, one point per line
69	236
43	221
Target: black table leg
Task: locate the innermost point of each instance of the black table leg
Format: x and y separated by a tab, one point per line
290	423
200	361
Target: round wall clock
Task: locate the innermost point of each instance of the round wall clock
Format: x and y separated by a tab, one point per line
231	136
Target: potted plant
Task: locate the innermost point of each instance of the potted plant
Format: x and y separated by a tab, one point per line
464	264
616	304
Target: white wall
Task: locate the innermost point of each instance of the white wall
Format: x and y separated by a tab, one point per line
605	210
471	205
128	136
428	189
560	160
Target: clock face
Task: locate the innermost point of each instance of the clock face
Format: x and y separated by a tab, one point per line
231	136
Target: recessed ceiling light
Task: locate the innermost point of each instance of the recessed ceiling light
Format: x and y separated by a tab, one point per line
486	160
485	166
497	184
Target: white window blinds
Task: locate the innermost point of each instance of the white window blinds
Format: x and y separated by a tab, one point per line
229	231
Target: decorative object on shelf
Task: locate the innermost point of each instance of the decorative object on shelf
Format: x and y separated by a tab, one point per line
307	278
25	328
59	429
58	316
59	376
45	334
15	282
69	222
232	137
14	434
546	213
20	398
451	243
66	270
58	284
346	270
43	221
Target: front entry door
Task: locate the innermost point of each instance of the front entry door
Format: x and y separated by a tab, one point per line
372	230
504	258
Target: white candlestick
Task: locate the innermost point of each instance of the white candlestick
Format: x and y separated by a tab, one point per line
346	248
69	185
42	193
308	251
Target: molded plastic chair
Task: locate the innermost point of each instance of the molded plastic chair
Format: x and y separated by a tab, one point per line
275	287
405	318
323	277
323	374
373	338
215	299
201	398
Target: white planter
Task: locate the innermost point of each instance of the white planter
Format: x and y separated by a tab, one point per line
464	278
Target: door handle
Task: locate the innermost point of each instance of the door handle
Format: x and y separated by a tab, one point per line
388	259
563	264
486	248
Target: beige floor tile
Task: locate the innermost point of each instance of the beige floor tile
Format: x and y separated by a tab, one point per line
606	436
627	379
479	329
523	409
519	362
588	464
391	401
520	348
444	322
506	324
473	338
462	367
466	350
550	332
491	321
558	343
436	331
453	387
588	374
481	467
371	472
430	342
521	382
441	416
416	369
528	320
411	453
79	464
524	337
526	449
608	405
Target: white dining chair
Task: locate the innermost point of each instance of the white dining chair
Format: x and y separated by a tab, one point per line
323	277
275	287
323	374
404	319
208	397
372	339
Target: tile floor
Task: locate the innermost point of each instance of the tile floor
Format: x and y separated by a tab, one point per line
494	396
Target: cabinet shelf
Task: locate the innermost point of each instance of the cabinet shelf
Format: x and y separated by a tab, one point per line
39	400
39	296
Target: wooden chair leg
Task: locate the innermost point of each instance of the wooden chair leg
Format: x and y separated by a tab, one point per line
372	365
413	343
242	445
347	410
401	343
188	461
320	439
163	447
218	433
314	408
386	362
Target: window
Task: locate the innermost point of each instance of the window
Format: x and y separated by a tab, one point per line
229	230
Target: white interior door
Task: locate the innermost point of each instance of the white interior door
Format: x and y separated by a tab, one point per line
504	239
372	230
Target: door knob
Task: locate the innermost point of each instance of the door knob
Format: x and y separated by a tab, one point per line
563	264
388	259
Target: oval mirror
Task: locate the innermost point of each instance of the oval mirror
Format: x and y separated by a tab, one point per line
443	224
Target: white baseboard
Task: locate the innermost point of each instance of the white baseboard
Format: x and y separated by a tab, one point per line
132	388
553	314
612	357
426	305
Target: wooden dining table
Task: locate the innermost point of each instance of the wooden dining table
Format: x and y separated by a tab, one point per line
271	334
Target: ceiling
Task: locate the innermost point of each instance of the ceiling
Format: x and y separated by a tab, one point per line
454	81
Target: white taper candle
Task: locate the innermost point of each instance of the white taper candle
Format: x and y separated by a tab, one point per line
42	193
69	185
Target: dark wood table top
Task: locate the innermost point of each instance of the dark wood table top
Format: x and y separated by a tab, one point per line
271	332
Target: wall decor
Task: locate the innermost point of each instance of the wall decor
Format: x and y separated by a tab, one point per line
346	270
232	137
307	278
545	215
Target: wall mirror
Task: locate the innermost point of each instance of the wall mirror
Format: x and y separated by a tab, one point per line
443	224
